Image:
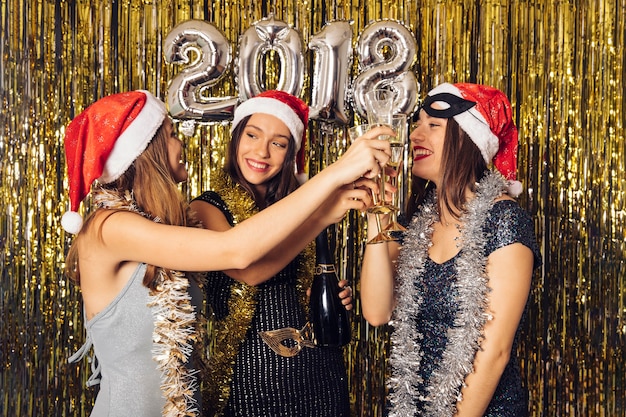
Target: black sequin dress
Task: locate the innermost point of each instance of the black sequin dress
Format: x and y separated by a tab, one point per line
506	224
262	383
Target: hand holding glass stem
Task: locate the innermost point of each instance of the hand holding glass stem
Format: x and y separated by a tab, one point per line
397	142
354	133
379	104
379	108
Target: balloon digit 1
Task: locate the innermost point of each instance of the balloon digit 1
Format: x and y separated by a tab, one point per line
333	52
213	55
386	51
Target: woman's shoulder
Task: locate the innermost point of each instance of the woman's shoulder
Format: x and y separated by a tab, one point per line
119	232
506	206
212	212
111	218
230	197
508	215
211	197
509	223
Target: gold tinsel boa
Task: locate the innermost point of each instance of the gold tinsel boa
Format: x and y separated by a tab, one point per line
242	302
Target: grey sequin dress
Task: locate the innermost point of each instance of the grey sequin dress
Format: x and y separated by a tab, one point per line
506	224
312	383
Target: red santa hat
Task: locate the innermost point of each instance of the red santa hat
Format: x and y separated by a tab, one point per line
484	113
104	140
292	111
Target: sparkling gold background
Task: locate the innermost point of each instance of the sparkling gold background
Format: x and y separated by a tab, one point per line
560	62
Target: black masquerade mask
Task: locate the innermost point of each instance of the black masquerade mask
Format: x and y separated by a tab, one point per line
456	103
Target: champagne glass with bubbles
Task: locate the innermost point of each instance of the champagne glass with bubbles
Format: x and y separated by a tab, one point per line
397	144
379	108
382	236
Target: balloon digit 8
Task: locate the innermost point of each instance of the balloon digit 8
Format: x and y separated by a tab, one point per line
386	52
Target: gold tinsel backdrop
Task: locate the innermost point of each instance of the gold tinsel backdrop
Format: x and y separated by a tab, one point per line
561	63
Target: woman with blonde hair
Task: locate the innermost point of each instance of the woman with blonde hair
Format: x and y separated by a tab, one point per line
128	257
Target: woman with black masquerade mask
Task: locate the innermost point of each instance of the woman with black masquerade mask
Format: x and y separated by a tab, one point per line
456	288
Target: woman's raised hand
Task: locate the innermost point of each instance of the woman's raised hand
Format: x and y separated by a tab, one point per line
354	196
365	157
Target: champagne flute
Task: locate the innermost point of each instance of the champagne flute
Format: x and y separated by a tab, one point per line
379	108
382	236
399	126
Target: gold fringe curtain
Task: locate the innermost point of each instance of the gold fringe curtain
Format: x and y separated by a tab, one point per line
561	63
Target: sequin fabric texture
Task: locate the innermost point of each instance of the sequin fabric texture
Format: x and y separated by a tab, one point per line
507	224
312	383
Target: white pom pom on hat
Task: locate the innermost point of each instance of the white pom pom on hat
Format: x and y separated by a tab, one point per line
104	140
72	222
490	126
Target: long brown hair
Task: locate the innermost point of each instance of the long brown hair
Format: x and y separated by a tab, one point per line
462	165
155	192
279	186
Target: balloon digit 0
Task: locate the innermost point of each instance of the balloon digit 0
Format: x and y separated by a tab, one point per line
263	36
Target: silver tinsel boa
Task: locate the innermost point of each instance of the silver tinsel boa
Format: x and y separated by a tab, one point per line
444	388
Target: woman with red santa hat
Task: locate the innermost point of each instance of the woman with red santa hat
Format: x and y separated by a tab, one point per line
455	290
251	375
140	309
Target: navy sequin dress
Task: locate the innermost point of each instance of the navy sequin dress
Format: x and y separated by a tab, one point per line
506	224
264	384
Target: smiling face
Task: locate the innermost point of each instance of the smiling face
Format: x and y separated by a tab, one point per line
262	149
174	153
427	141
